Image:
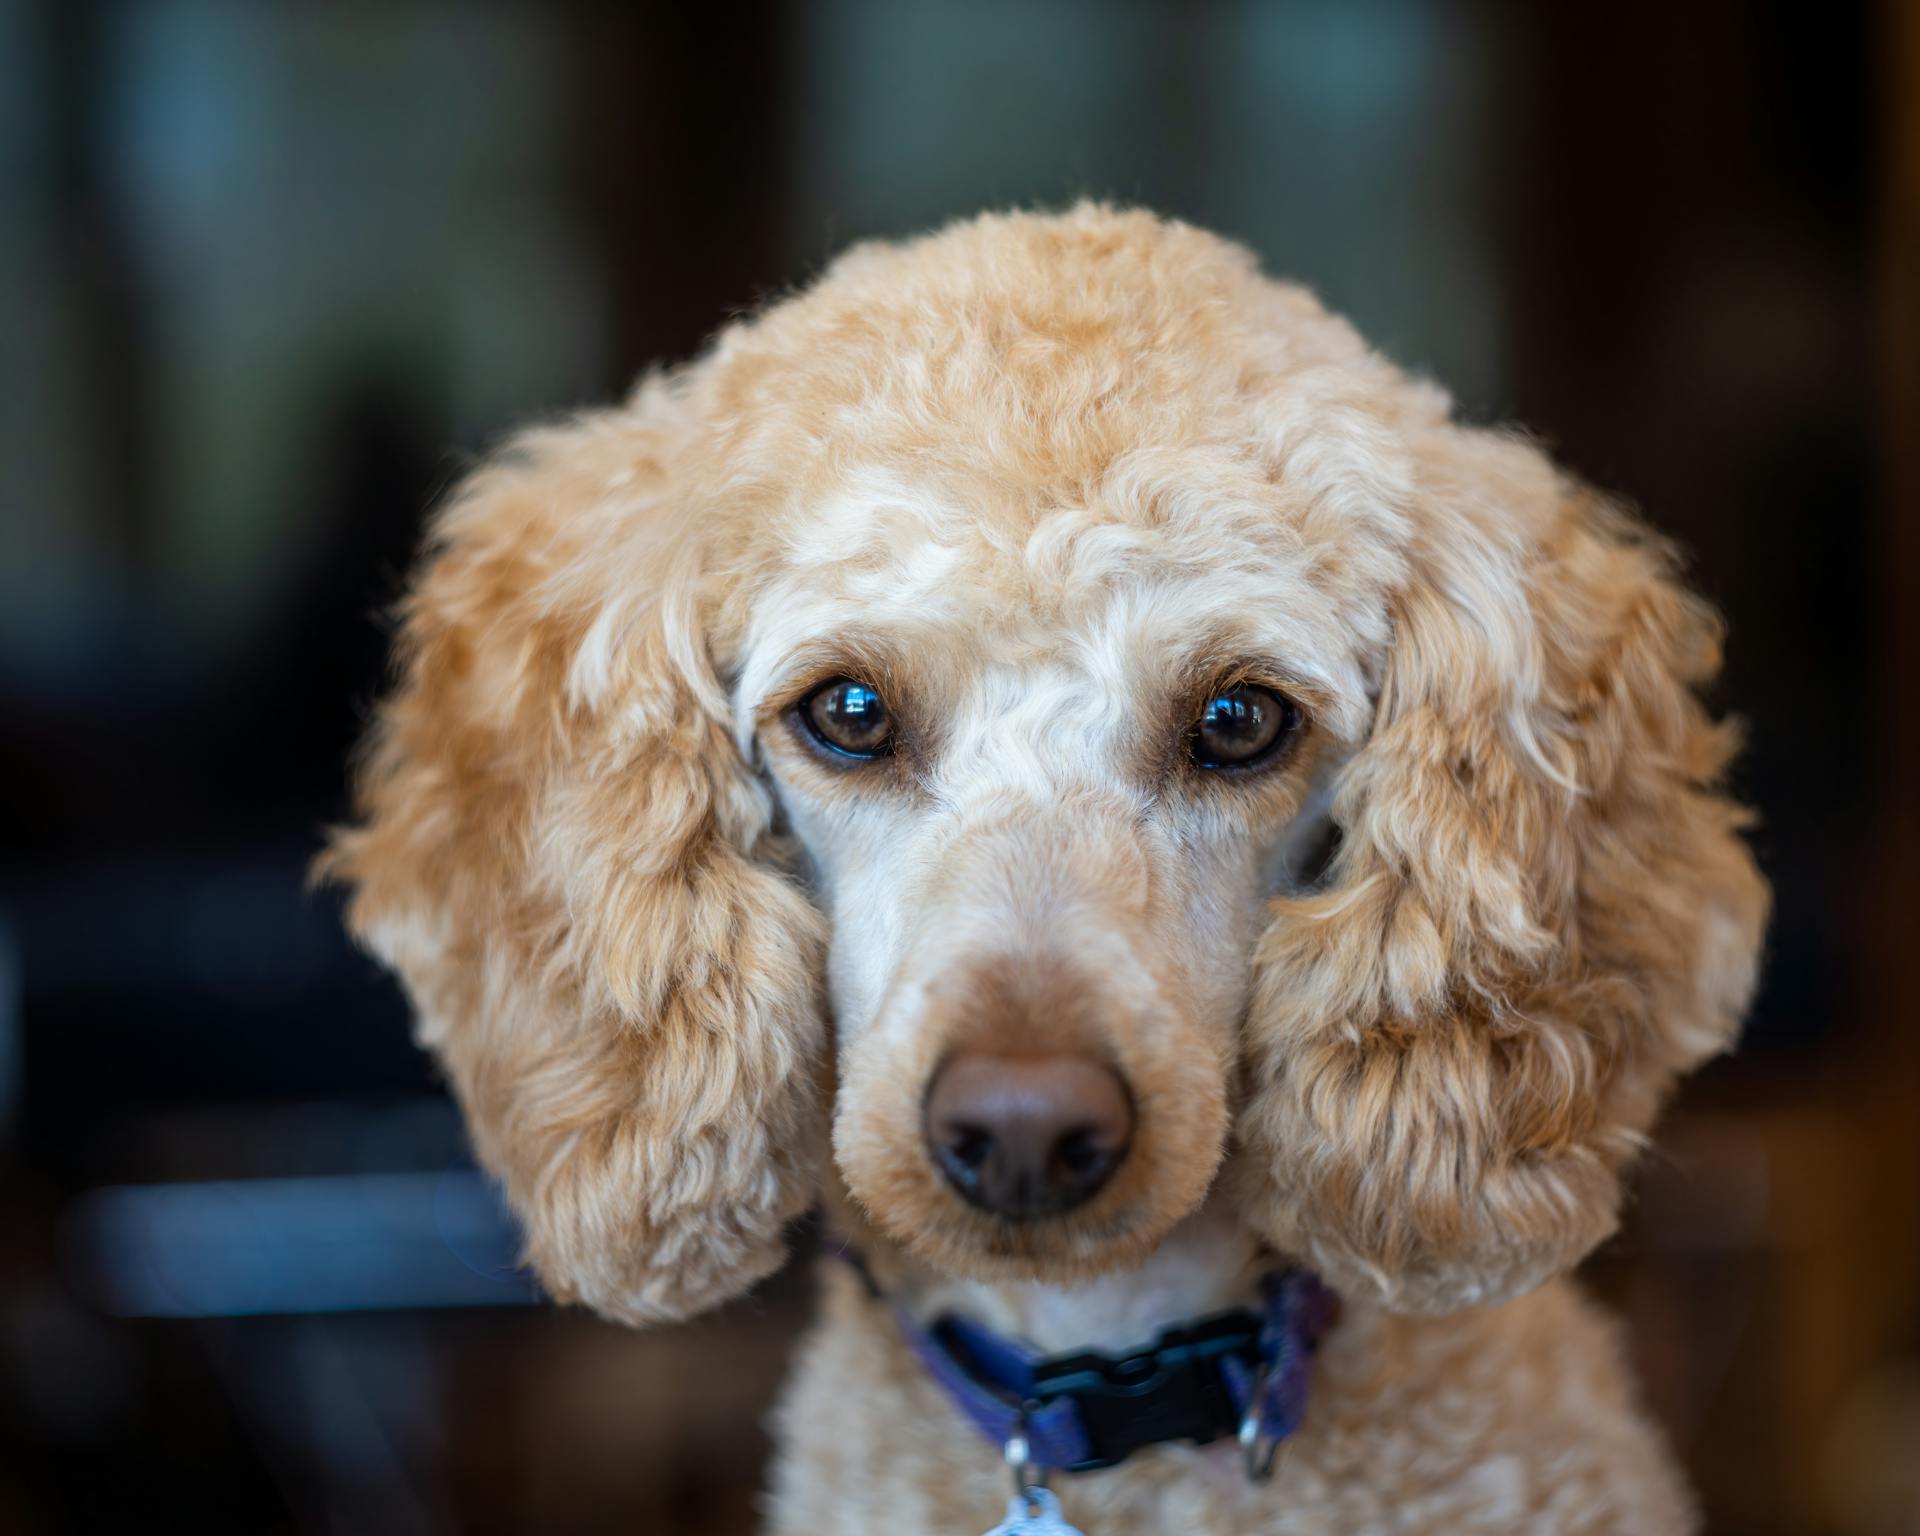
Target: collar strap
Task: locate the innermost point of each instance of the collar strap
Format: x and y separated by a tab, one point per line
1241	1371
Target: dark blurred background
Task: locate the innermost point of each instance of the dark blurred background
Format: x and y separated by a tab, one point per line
271	274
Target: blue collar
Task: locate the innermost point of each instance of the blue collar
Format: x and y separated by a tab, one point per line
1242	1372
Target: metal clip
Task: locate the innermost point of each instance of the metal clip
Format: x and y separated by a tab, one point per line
1019	1454
1258	1449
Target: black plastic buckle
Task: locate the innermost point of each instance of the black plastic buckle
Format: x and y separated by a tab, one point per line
1174	1390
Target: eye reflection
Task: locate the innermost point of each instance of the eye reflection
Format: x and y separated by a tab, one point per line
848	717
1239	727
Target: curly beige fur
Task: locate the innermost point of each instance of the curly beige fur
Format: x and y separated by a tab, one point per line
1045	481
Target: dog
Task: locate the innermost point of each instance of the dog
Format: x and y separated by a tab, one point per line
1205	867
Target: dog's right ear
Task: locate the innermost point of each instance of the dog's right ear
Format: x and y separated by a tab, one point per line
555	850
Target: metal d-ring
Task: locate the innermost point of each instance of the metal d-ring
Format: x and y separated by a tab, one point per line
1259	1449
1019	1453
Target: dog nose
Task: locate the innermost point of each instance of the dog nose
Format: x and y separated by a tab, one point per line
1027	1136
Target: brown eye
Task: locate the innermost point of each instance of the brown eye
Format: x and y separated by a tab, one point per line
1243	726
848	718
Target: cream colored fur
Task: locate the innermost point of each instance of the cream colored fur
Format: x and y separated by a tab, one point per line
1046	482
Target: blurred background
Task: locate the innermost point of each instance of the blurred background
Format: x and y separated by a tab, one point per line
271	274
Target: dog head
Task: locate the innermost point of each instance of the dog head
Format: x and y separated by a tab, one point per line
1048	716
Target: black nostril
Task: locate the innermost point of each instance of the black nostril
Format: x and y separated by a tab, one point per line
1076	1153
971	1146
963	1154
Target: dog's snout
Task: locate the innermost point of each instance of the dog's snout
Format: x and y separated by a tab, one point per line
1026	1137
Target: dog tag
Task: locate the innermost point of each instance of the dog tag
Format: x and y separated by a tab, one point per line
1033	1513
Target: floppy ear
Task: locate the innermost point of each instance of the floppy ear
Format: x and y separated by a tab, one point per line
554	850
1541	913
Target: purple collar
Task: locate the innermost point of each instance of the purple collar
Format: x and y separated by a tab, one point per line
1241	1372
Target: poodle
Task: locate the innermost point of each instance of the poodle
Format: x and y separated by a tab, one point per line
1205	868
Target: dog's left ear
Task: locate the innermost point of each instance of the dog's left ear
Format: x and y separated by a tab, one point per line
559	850
1541	913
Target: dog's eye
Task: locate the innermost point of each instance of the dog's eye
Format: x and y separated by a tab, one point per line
849	718
1243	726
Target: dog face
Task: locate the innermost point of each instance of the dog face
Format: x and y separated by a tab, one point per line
1050	716
1087	724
